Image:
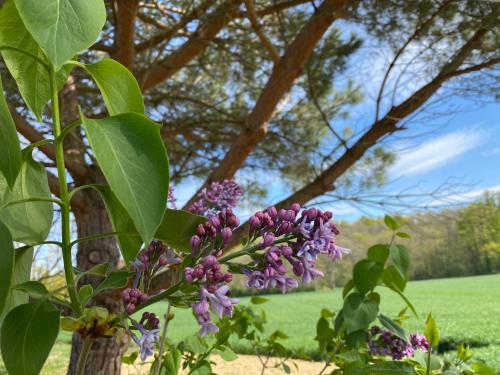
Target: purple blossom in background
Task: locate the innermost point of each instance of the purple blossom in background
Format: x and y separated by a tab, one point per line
171	198
385	343
419	341
217	197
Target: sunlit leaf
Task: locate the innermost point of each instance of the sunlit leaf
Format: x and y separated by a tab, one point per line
119	88
133	158
63	28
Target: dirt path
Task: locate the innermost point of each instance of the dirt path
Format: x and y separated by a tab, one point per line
247	365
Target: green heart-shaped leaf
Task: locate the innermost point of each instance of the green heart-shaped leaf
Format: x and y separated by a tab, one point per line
6	264
63	28
359	312
129	240
10	156
20	274
28	334
177	228
366	274
32	78
132	156
28	222
119	88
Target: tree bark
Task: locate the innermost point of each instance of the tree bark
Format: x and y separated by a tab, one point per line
106	353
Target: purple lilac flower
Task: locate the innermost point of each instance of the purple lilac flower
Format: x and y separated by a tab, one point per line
309	235
148	329
148	262
217	197
384	343
206	246
132	297
171	197
419	341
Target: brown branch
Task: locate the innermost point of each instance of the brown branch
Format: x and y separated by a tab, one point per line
279	83
418	31
252	16
474	68
378	130
29	132
196	44
168	33
124	51
280	7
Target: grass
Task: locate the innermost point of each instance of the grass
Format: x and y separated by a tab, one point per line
466	309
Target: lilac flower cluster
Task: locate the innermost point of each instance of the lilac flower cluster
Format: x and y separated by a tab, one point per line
208	242
148	262
383	342
306	236
132	297
148	328
218	197
215	233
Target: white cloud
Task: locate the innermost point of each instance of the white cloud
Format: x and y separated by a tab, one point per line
469	196
436	152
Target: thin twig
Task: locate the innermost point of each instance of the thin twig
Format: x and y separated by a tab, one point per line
162	340
252	16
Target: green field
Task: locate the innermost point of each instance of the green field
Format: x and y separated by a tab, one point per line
467	309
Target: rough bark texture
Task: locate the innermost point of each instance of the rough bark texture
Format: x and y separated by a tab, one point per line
106	353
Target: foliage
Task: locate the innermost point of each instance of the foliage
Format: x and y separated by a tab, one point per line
40	43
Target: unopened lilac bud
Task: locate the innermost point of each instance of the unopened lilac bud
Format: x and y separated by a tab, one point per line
254	223
281	213
195	242
198	272
286	251
272	211
214	220
269	272
216	267
211	288
143	297
228	277
130	308
285	227
298	269
290	215
155	322
233	221
281	269
268	240
327	215
311	213
295	207
126	294
226	234
209	261
200	231
259	214
218	276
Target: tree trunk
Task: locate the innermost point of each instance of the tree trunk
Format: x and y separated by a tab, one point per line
106	353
